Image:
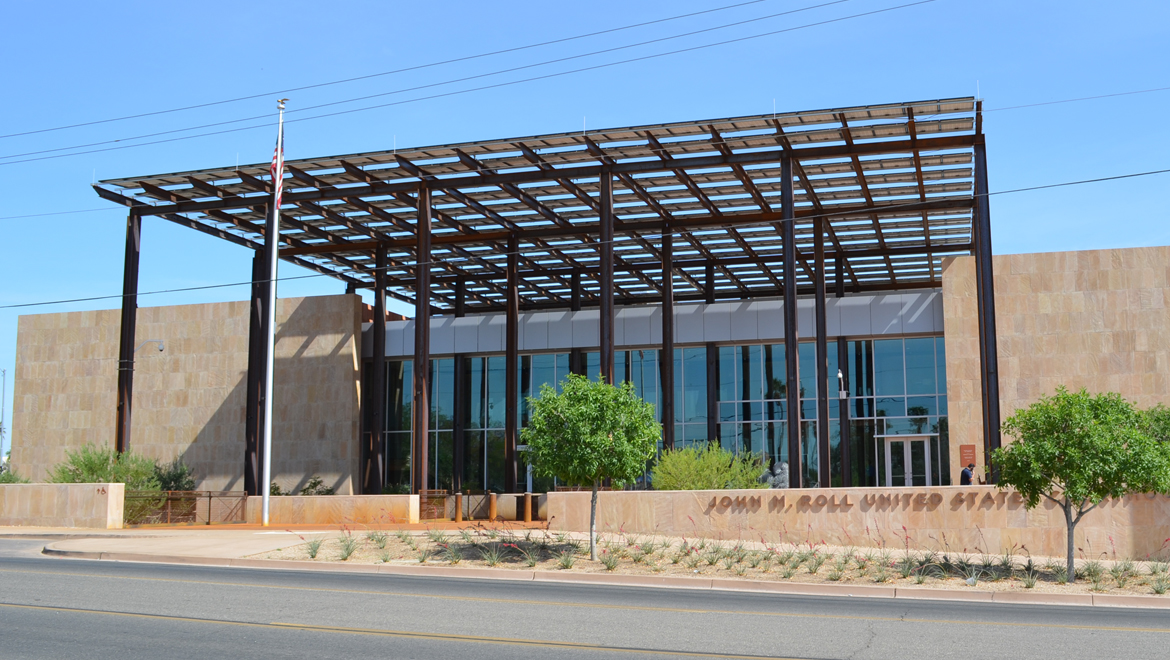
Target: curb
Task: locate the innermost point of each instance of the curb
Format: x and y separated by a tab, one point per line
660	582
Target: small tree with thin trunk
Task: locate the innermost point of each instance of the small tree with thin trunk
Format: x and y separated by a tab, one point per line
1076	450
590	432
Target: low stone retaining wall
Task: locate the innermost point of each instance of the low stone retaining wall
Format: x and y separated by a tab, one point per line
336	509
955	518
62	505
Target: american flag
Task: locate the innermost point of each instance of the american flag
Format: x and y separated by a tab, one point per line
277	169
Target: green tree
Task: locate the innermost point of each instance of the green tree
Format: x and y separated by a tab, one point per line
1076	450
92	464
590	432
174	476
706	467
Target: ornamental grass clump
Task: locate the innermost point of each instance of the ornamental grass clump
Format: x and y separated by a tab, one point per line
589	432
706	467
347	545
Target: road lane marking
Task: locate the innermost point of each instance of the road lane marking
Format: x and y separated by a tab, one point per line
602	606
441	637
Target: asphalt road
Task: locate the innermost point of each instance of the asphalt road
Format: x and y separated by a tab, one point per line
60	608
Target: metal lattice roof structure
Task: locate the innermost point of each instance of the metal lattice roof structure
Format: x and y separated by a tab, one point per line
892	185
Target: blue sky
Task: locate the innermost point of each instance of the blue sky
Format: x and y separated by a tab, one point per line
68	63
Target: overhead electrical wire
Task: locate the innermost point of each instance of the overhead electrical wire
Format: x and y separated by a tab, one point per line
386	73
416	87
435	262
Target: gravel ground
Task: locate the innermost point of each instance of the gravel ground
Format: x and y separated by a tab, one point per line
628	554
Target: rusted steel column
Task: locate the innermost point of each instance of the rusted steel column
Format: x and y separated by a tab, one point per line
709	284
254	410
126	342
606	277
422	343
375	469
666	362
511	367
460	297
823	476
458	506
791	347
458	424
575	299
985	291
712	393
493	507
527	507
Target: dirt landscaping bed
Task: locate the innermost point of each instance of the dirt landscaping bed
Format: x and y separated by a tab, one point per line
627	554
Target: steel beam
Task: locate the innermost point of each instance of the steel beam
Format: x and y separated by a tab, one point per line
126	341
666	362
421	410
375	470
823	476
985	290
606	278
791	347
712	393
254	406
511	368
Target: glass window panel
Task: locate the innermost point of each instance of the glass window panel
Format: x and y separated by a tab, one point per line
752	439
644	375
543	372
729	436
808	370
917	463
891	406
774	410
620	360
897	463
861	368
442	459
750	382
679	400
940	362
476	387
863	407
880	462
593	365
442	393
809	452
831	374
695	385
399	389
695	433
942	405
398	459
473	460
889	367
917	406
862	453
727	411
920	371
835	453
495	461
562	369
496	392
774	371
727	368
808	409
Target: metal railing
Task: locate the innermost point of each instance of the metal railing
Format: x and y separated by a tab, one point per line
184	507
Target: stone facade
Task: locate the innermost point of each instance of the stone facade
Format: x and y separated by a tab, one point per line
1096	319
97	506
979	519
189	399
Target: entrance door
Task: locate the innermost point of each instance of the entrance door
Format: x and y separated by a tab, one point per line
908	461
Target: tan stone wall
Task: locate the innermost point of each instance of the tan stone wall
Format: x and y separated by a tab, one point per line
62	505
189	400
336	510
1096	319
955	518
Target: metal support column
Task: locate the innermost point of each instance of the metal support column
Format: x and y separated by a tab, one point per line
791	347
575	300
458	436
666	362
512	366
985	290
460	297
374	465
257	346
129	320
607	288
843	413
421	411
824	476
709	284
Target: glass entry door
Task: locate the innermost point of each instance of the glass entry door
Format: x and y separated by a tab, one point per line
908	460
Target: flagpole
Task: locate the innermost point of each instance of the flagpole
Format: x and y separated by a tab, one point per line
272	243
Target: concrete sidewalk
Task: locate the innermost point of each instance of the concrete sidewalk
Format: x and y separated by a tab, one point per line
232	546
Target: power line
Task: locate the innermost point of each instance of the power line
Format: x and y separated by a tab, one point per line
412	89
435	262
386	73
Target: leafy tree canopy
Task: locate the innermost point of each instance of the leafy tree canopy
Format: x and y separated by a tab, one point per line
1077	449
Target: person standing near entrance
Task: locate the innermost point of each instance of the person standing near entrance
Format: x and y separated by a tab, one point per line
967	475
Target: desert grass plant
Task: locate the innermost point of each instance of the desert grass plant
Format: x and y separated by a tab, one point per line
788	572
906	567
880	574
530	554
437	536
452	554
347	544
609	560
1029	579
815	562
566	560
467	536
729	563
493	554
313	547
1160	585
402	535
835	575
740	569
378	538
423	554
384	556
691	562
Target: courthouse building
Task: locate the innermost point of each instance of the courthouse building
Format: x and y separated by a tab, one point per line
816	287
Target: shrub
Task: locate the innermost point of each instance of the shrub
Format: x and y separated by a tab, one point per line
9	476
92	464
709	467
174	476
316	487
